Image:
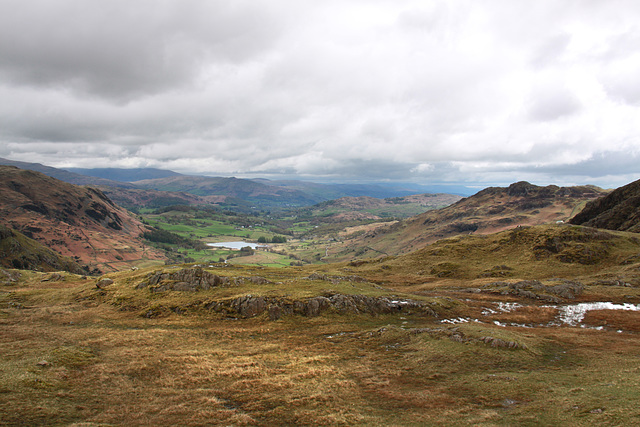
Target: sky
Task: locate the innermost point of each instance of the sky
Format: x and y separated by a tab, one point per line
471	92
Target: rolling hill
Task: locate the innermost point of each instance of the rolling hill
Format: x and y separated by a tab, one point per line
491	210
135	198
74	221
371	208
259	194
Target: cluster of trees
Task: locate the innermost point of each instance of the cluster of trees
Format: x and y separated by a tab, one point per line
274	239
245	251
158	235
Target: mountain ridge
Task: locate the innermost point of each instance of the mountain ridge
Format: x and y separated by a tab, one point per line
619	210
64	175
124	175
490	210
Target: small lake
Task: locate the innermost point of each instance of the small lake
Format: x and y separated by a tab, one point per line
235	245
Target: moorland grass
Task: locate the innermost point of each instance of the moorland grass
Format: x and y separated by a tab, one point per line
72	353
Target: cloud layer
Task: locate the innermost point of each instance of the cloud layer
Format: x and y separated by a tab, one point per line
436	91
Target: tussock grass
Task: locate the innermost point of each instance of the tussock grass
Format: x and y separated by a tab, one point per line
73	354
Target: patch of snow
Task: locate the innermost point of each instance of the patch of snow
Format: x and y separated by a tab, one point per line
573	314
455	321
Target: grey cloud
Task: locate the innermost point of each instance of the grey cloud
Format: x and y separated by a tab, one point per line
551	103
551	50
597	166
621	83
439	91
120	49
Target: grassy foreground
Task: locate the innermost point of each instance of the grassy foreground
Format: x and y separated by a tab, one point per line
74	354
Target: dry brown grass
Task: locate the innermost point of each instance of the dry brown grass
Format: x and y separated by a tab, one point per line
71	354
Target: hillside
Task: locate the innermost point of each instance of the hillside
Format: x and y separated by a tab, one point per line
532	252
530	326
19	251
489	211
260	195
618	210
363	207
135	198
74	221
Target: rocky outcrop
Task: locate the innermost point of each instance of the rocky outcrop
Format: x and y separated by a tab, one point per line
336	279
193	279
185	279
454	334
534	289
276	307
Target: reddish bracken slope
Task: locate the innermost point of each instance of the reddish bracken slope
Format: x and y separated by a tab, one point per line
79	222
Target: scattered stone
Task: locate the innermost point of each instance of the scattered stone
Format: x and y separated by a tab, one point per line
534	289
336	279
500	343
507	403
103	283
43	363
257	280
10	277
275	312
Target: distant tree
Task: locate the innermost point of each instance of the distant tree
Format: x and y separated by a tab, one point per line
262	239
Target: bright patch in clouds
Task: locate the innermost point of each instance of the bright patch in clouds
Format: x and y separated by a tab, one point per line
464	92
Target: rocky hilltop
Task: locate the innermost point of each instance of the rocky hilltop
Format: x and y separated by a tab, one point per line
77	222
619	210
491	210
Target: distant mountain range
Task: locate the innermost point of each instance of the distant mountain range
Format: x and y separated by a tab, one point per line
64	175
87	228
240	194
124	175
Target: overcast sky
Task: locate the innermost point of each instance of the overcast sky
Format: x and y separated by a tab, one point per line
478	92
